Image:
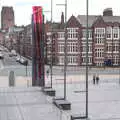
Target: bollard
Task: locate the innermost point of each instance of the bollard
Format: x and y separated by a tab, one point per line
11	79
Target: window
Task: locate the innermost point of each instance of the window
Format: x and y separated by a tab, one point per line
60	35
115	32
109	47
84	33
99	40
100	32
71	59
89	48
84	48
72	47
99	52
61	58
116	47
61	48
72	33
89	59
89	33
115	60
108	32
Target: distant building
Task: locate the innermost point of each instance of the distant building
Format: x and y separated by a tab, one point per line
1	38
7	18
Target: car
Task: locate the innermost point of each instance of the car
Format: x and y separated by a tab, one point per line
6	50
18	59
1	49
1	55
12	53
23	61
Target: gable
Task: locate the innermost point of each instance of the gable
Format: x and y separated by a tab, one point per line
99	22
73	22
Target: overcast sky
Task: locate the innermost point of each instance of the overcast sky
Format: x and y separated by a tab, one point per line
23	8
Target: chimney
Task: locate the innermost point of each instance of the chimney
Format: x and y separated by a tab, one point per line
108	12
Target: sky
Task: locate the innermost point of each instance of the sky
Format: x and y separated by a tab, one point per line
23	8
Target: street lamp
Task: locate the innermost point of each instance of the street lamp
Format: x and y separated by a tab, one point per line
62	103
51	60
87	59
51	42
86	104
65	48
26	63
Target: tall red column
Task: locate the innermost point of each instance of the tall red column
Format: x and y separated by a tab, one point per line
38	47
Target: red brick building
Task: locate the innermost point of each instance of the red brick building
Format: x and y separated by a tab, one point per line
103	40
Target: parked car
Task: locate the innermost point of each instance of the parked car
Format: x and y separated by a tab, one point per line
6	50
1	49
23	61
12	53
1	55
18	59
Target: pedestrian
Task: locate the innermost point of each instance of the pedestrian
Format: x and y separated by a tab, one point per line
97	79
47	73
94	79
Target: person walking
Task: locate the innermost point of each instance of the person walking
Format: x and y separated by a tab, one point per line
97	79
94	79
47	73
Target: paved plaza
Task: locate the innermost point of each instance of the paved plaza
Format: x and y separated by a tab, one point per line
24	102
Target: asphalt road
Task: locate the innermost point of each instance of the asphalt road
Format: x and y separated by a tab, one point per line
9	63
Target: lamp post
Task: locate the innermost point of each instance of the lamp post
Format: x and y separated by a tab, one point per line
26	63
65	50
51	43
87	59
51	60
119	62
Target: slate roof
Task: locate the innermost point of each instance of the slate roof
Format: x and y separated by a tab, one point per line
93	18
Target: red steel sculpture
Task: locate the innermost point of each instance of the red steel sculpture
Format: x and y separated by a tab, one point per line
38	47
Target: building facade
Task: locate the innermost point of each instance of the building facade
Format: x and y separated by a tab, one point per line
103	40
7	18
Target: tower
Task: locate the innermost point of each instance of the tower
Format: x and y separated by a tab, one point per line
62	19
7	18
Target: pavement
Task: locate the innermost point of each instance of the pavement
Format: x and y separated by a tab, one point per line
24	102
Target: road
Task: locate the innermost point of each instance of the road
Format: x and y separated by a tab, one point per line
9	63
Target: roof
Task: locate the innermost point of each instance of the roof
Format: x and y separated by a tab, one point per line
82	20
93	18
55	25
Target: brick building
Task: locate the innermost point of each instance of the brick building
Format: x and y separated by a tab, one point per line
103	40
7	18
